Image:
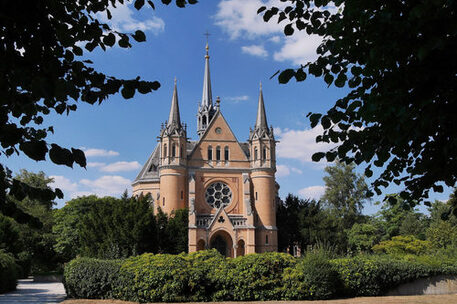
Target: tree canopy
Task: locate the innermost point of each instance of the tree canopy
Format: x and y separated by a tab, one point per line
398	60
42	50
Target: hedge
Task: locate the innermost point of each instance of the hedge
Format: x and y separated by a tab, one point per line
9	272
208	276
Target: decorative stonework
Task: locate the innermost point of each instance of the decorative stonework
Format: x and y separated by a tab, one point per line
218	194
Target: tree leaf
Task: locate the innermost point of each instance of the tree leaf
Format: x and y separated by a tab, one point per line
139	4
36	150
61	156
286	75
79	157
317	156
139	36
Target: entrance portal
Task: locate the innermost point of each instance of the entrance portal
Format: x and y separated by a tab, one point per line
222	242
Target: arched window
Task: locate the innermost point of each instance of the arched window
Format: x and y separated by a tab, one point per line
204	121
255	153
180	152
266	239
264	153
226	153
163	201
218	153
165	150
173	150
210	153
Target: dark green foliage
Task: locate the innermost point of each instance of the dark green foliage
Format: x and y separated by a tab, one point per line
117	228
398	60
314	277
8	272
89	278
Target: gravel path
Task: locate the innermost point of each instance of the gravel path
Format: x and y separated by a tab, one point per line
29	292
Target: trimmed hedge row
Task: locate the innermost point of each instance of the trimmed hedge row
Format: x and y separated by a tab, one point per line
9	272
208	276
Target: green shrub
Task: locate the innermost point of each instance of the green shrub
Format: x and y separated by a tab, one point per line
202	283
8	272
374	275
314	277
252	277
154	278
91	278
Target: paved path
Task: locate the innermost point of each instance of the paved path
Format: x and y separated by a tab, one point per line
29	292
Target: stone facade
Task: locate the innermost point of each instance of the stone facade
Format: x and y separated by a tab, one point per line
228	186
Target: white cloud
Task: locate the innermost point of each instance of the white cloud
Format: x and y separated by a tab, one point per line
255	50
313	192
112	185
80	193
237	99
63	183
299	48
99	152
275	39
121	166
95	164
295	170
282	170
239	17
122	20
300	144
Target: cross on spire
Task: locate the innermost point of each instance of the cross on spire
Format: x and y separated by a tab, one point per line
207	34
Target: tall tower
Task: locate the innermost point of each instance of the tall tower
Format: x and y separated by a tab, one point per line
206	110
263	155
173	160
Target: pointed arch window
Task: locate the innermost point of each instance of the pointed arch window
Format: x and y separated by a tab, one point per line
180	151
226	153
255	153
173	150
165	150
210	153
264	153
218	153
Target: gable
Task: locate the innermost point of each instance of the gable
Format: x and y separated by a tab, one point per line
218	134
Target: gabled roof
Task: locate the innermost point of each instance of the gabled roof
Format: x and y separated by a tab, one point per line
243	146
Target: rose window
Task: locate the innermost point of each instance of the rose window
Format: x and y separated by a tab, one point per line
218	194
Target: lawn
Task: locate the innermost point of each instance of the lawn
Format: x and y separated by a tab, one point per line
431	299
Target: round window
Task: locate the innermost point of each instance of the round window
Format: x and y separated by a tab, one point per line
218	194
218	130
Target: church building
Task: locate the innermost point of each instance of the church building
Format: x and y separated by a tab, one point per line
228	186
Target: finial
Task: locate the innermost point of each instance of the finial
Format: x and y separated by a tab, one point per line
207	46
218	100
175	80
261	85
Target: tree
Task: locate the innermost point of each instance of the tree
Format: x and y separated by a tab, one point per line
117	228
398	60
43	70
403	244
362	237
287	221
345	193
178	231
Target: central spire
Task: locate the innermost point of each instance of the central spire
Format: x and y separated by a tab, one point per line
207	96
206	109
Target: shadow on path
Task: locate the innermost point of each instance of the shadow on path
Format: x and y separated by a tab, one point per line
29	292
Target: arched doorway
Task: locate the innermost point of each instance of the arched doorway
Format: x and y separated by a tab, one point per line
200	245
240	248
222	242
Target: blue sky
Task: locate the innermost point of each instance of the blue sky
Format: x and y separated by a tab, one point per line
119	135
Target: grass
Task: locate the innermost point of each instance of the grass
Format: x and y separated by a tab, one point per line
429	299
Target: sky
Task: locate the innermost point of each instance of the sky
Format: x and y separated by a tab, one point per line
119	135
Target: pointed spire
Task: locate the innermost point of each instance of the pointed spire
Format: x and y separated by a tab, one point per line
207	96
174	120
261	121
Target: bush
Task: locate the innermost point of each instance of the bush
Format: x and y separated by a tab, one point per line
91	278
8	272
314	277
208	276
374	275
252	277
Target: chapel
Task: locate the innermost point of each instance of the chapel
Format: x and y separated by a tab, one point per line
228	186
